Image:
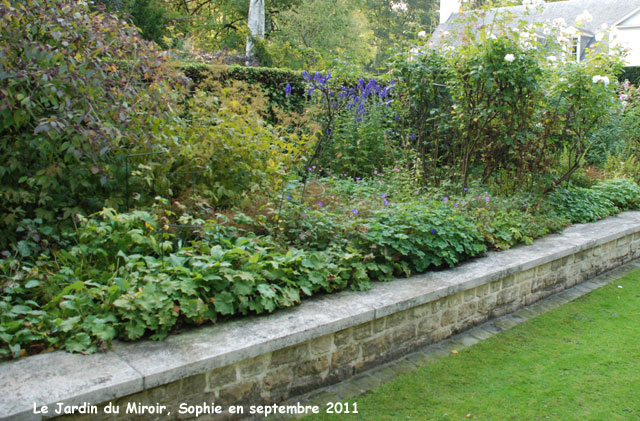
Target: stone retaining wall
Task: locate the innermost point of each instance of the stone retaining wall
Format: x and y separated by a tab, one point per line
350	332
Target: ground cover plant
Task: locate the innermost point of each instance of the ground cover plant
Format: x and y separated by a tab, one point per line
135	204
577	361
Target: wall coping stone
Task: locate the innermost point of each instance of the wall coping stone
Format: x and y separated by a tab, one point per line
133	367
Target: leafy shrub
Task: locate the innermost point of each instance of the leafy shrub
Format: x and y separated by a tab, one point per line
501	105
124	279
82	89
426	99
413	237
623	193
226	135
362	140
581	205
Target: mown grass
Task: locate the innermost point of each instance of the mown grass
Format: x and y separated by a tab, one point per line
580	361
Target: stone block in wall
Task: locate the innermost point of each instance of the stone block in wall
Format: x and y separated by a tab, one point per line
321	345
486	304
253	367
221	376
428	324
290	354
345	355
316	366
482	290
449	317
403	334
278	378
375	347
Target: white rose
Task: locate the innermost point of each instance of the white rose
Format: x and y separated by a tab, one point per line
422	34
584	17
509	58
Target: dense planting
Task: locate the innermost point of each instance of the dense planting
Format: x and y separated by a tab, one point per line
135	203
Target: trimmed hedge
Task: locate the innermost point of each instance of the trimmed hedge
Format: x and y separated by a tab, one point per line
271	80
632	73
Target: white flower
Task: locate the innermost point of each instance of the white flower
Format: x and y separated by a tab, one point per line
422	34
584	17
559	22
603	79
552	59
399	6
599	36
604	26
509	57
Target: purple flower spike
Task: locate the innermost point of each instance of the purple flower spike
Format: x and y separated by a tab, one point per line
487	199
383	195
358	179
288	197
379	181
287	90
375	172
446	198
455	204
433	230
320	204
386	203
355	211
465	189
309	169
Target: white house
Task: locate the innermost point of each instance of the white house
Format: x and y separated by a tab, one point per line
621	18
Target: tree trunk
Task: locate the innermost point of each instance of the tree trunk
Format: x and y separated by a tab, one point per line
256	24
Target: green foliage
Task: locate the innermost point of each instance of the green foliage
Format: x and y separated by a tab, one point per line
225	135
503	105
413	237
358	123
321	31
394	24
78	91
623	193
426	106
151	16
581	205
129	275
632	74
270	81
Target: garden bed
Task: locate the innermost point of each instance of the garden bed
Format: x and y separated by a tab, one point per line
265	360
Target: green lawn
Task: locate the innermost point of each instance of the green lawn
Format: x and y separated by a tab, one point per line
580	361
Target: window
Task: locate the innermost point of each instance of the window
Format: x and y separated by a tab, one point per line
574	47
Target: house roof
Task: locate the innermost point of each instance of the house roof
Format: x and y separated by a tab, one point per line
603	12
